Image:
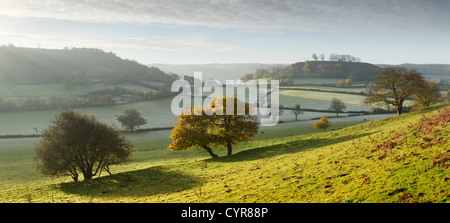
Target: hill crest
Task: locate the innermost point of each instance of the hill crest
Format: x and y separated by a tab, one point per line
78	65
357	71
334	69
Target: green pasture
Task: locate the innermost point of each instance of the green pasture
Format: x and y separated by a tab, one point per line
17	91
316	81
16	155
17	167
320	100
346	165
328	88
157	112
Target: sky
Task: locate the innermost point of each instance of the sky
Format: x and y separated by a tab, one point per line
216	31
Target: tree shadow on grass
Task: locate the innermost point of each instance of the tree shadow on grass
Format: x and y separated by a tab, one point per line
139	183
300	145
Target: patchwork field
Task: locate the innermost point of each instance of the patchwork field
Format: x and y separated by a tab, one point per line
387	160
157	112
16	154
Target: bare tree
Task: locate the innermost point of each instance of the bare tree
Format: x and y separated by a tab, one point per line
297	110
393	86
337	106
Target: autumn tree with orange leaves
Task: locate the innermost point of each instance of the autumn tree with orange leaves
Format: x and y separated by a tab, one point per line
214	126
324	123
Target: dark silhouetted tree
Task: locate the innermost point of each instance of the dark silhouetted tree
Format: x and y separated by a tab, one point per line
322	57
78	143
131	119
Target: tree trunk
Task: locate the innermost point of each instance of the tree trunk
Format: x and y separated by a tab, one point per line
74	174
399	110
210	151
107	170
75	177
230	150
87	173
87	176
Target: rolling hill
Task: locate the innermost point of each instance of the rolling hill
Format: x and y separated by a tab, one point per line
433	71
78	66
357	71
333	69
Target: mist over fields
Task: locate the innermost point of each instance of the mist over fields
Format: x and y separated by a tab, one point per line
37	84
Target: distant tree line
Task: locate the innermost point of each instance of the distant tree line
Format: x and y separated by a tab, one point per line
104	97
155	92
344	58
336	57
273	73
54	102
114	92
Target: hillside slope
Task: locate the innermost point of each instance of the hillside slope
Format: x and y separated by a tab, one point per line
429	70
357	71
333	69
398	159
80	66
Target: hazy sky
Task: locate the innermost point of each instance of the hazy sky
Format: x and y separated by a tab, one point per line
214	31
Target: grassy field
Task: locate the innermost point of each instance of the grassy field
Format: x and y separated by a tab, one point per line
24	122
10	91
157	112
155	170
16	155
327	88
398	159
320	100
314	81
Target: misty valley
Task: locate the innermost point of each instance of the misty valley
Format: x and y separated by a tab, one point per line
325	119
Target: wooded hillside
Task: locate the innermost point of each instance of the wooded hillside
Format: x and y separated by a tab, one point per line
76	66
